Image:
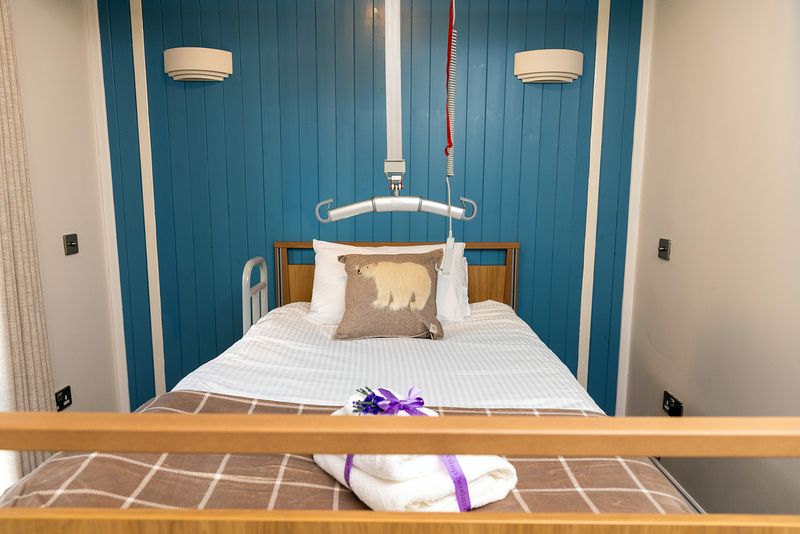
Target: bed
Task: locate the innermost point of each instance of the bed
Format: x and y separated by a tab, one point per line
490	367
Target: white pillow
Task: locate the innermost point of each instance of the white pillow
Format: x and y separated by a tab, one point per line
330	280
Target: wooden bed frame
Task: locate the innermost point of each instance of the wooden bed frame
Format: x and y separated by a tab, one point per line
294	281
742	437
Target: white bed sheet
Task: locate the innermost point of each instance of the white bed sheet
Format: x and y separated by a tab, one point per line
490	360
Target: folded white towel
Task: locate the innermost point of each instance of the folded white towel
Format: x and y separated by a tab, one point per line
414	482
397	467
490	478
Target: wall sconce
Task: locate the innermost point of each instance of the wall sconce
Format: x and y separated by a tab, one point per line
194	64
553	65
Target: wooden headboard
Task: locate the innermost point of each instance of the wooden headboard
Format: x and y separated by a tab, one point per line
294	281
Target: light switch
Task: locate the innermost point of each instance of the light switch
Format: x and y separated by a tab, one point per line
664	248
70	244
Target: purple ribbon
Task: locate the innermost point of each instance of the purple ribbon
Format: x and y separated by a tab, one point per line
348	466
391	406
459	481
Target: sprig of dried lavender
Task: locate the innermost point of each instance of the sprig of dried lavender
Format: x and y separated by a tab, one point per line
368	405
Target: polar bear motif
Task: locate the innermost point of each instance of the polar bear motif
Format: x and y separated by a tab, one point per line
400	285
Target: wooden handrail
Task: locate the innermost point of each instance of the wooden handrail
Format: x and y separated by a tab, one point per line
260	433
86	521
731	437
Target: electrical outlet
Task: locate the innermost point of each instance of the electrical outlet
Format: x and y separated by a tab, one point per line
671	405
63	398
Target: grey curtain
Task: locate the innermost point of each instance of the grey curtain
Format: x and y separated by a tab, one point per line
26	381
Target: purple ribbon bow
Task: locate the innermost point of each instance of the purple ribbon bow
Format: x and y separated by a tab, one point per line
391	404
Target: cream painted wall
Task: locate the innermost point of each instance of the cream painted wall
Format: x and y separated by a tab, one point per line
55	61
719	324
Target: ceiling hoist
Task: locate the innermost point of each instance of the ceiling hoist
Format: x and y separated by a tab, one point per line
395	166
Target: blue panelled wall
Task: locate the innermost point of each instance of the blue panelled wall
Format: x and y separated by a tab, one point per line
240	164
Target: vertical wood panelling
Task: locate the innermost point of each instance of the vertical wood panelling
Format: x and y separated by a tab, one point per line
117	50
219	221
400	221
577	237
419	149
234	148
496	81
290	111
182	184
240	164
545	239
381	223
343	14
612	214
513	112
565	191
269	52
309	141
249	37
531	150
437	133
326	105
475	129
364	112
201	204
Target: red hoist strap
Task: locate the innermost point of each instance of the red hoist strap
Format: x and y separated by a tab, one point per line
447	80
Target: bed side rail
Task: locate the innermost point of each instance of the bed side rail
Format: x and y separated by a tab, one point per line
706	437
144	521
254	297
741	437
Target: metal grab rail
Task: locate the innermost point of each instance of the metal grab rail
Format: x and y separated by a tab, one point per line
254	307
397	203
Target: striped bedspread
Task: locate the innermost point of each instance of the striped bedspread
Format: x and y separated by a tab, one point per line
111	480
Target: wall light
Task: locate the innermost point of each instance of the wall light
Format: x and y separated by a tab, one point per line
553	65
194	64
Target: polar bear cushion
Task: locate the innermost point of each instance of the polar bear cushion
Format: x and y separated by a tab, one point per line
390	295
330	280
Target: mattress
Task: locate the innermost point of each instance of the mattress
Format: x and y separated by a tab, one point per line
492	359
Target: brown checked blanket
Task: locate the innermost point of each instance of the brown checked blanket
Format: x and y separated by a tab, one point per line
111	480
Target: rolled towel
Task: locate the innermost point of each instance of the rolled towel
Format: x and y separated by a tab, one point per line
396	467
490	478
414	482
